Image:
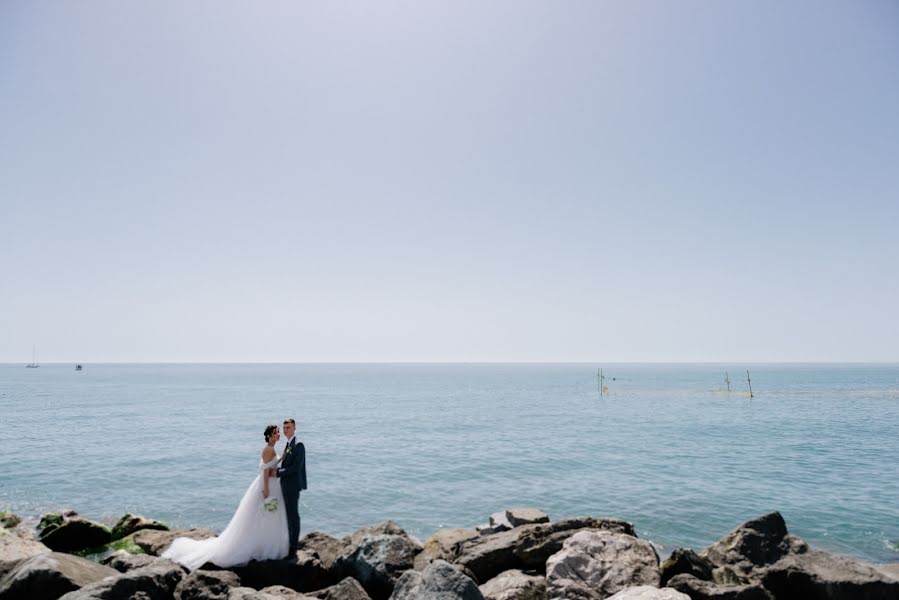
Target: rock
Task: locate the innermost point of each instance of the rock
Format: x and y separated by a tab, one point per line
156	581
488	529
49	522
515	585
499	522
14	550
756	543
597	564
207	585
279	591
123	561
305	572
377	561
50	575
488	556
699	589
648	592
270	593
816	574
74	535
129	523
538	542
267	573
348	589
526	516
385	528
684	560
889	569
155	542
9	520
444	544
439	581
316	561
528	546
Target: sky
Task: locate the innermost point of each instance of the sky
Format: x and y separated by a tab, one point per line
460	181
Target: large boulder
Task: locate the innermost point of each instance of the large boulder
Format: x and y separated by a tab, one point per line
14	550
259	574
315	561
129	523
593	565
123	561
155	542
50	575
444	544
488	556
276	592
207	585
439	581
699	589
378	560
312	567
821	575
347	589
526	516
325	547
515	585
648	592
684	560
527	547
888	569
283	593
156	581
76	534
754	544
385	528
538	542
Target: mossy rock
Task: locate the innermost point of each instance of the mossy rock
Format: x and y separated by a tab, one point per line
75	535
9	520
49	522
98	553
129	523
127	544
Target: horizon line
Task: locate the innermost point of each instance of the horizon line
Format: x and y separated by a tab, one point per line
537	362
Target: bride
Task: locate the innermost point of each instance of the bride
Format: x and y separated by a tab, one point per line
258	529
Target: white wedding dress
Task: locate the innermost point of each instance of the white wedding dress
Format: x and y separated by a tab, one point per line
254	532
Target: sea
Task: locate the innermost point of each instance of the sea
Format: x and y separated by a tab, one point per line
665	446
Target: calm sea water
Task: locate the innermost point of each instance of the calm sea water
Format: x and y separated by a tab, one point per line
433	446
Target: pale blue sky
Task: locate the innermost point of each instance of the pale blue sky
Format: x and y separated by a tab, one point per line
449	181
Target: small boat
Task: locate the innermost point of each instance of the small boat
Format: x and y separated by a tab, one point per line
77	367
33	364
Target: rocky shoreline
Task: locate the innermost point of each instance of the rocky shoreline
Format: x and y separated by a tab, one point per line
519	555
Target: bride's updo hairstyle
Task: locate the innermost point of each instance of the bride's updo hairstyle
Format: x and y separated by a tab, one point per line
269	431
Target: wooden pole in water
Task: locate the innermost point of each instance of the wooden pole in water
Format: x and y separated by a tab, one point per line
727	381
750	383
600	382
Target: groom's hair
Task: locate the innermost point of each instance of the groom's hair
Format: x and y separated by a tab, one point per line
291	421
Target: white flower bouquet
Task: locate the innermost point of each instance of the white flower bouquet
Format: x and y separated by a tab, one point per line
271	505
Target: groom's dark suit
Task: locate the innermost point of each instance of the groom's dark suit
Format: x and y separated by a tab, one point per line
292	474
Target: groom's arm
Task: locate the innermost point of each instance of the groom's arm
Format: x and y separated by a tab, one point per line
287	465
297	458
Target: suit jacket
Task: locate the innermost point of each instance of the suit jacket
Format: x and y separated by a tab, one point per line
292	471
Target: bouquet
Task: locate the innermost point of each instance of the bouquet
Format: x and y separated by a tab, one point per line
271	505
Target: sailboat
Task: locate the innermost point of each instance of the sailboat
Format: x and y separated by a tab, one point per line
33	364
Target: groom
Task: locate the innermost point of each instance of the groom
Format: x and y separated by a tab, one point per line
292	474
